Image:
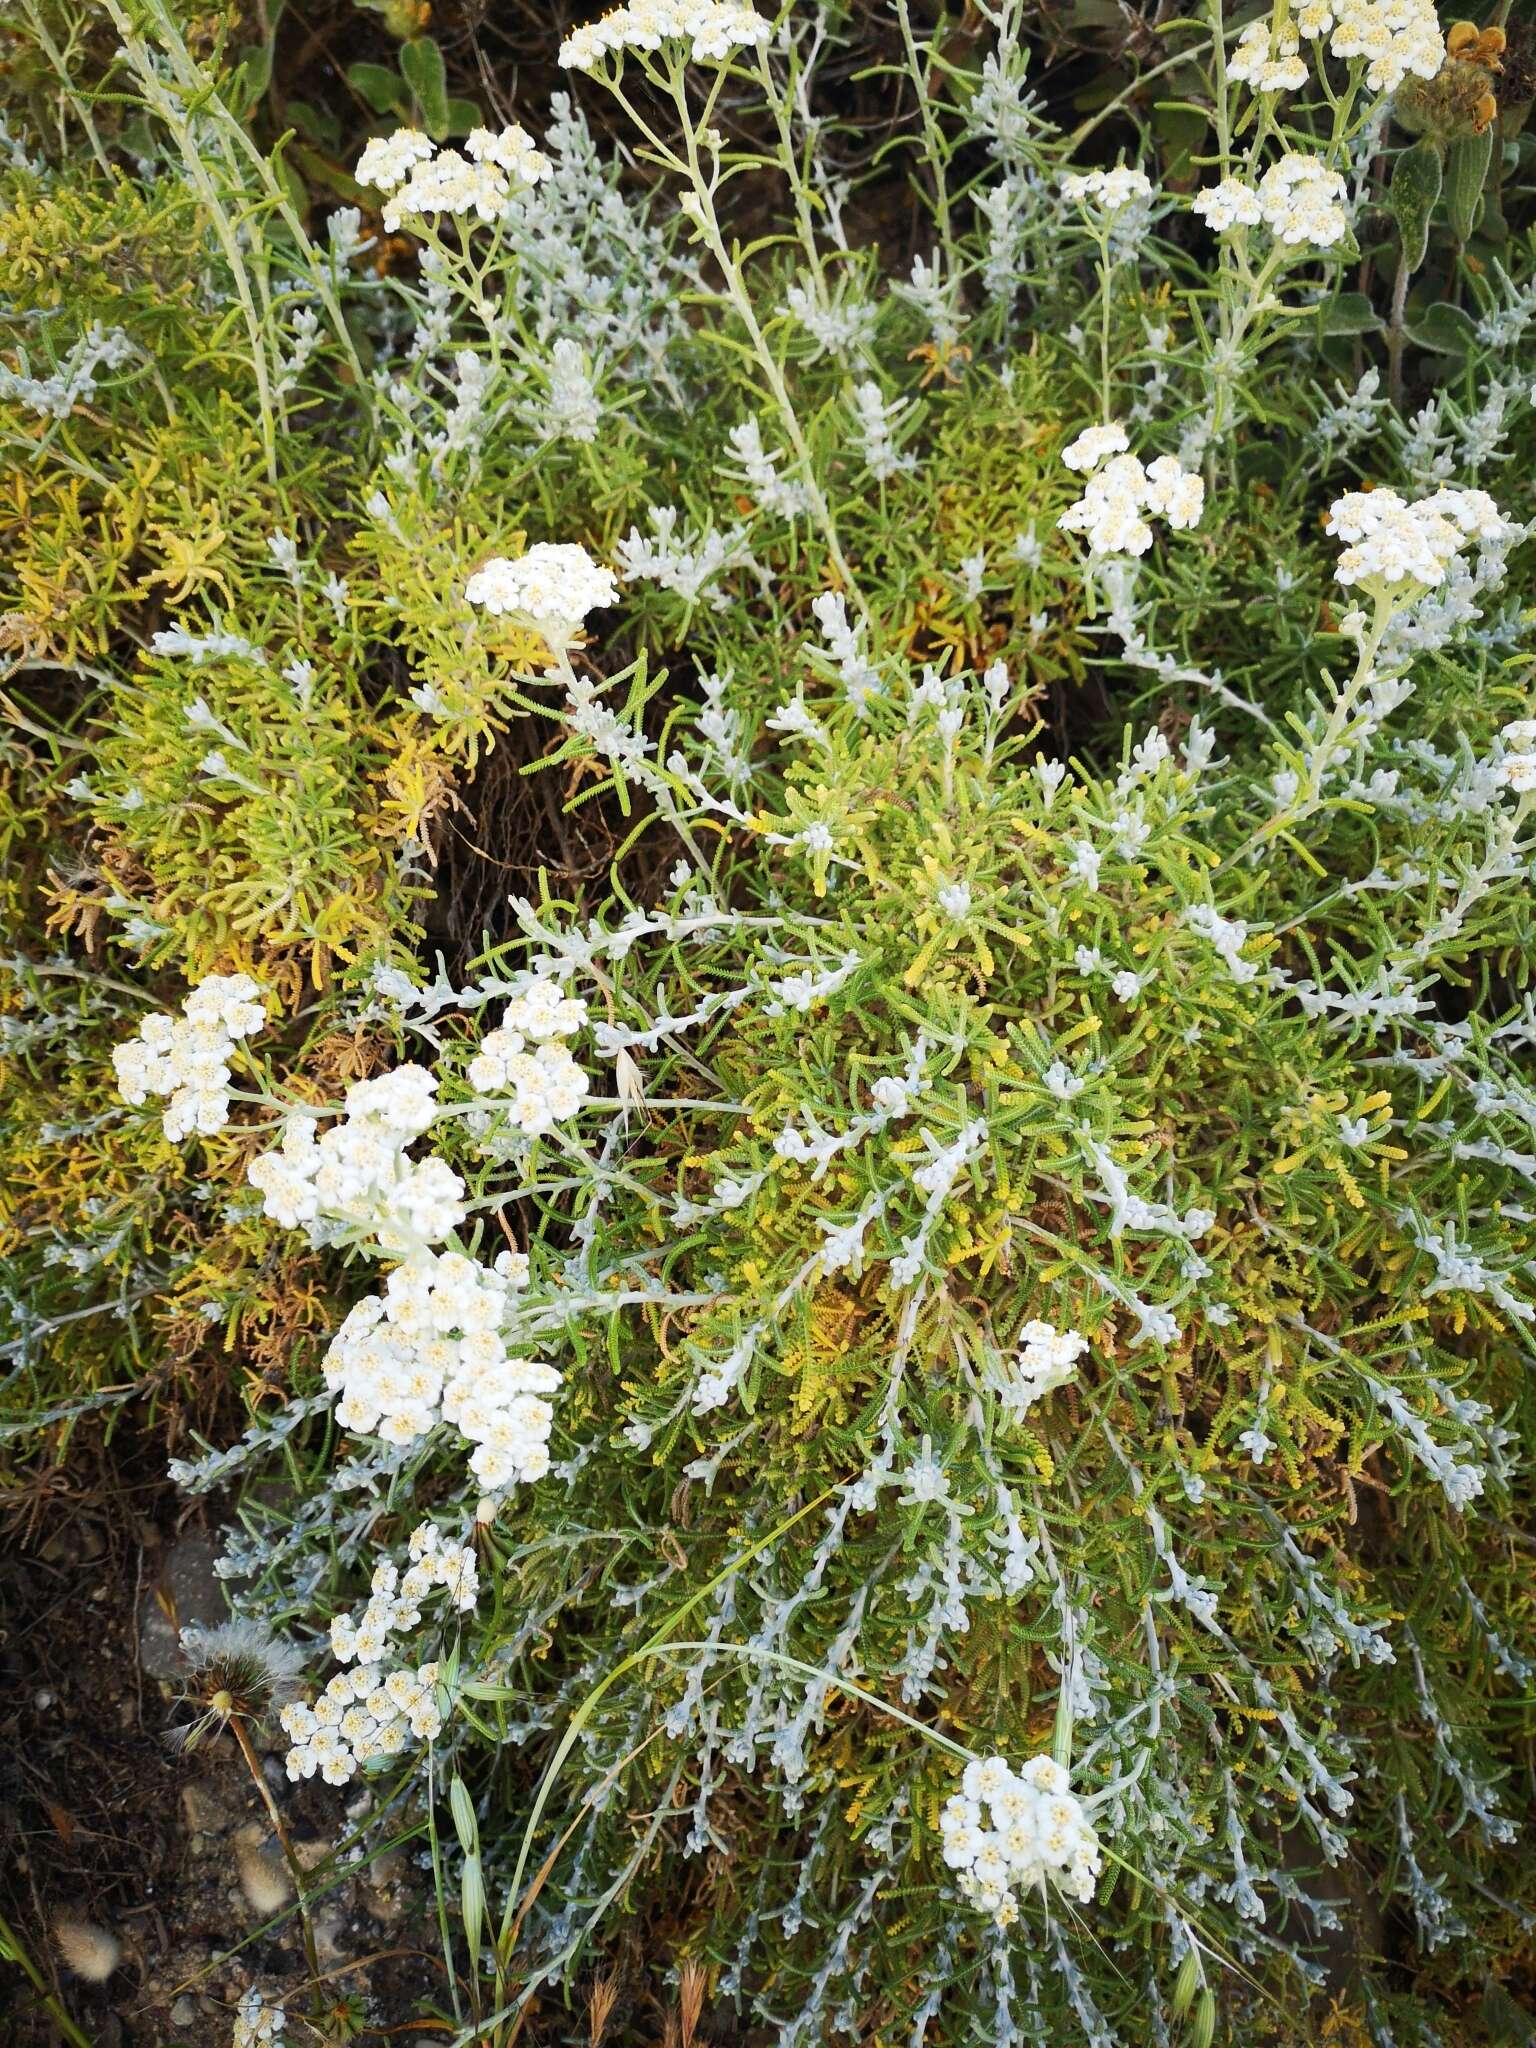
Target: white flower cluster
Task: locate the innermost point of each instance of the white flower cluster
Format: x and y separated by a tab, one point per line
187	1057
550	588
712	29
1006	1831
369	1712
430	1348
395	1603
1121	491
1301	202
1108	191
1298	199
258	2024
356	1175
525	1056
1268	59
1397	37
1396	550
1517	766
361	1715
486	180
1047	1360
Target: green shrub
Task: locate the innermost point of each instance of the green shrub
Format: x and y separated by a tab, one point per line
997	1225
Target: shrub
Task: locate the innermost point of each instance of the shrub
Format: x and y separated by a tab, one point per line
922	1382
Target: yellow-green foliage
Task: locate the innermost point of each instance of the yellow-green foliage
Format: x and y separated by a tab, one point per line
973	935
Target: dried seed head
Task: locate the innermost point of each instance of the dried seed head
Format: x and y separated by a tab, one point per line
692	1983
604	1997
237	1672
1469	44
1459	100
263	1880
88	1951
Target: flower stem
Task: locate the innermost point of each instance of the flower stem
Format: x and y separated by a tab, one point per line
285	1843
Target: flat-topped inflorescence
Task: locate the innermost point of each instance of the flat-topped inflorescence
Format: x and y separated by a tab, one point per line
1398	549
550	588
1007	1833
186	1058
424	182
1122	492
711	30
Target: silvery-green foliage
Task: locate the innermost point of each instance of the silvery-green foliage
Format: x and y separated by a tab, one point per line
1012	1251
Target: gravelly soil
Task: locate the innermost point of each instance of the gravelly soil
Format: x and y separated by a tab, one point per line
104	1824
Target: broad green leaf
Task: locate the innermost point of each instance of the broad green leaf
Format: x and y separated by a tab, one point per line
1466	178
383	89
1349	313
421	63
1416	183
1448	330
253	74
315	124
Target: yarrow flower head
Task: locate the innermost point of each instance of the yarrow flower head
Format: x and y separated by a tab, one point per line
1396	37
1298	199
187	1057
1230	204
1094	445
1396	551
712	29
524	1057
1008	1831
487	180
1121	491
390	159
1301	200
430	1348
550	588
355	1179
1108	191
371	1712
1268	59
